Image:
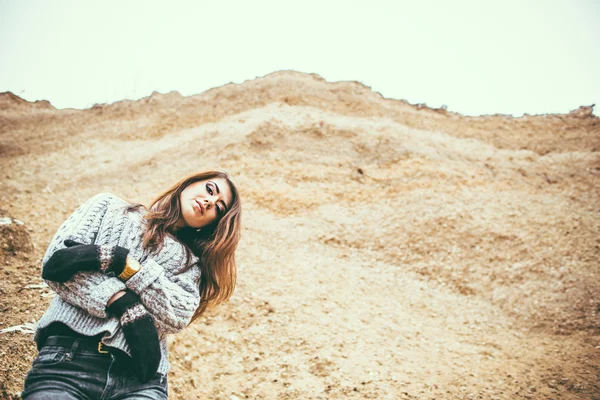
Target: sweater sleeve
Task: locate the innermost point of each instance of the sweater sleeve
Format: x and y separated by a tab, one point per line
171	297
89	291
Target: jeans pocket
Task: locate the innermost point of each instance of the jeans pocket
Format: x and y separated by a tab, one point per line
50	356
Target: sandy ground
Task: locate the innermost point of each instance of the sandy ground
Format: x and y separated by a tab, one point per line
389	251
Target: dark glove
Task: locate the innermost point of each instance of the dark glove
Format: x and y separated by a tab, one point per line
140	334
78	257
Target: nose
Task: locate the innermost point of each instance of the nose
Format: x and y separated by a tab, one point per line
210	201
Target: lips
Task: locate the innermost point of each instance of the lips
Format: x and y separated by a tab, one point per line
200	207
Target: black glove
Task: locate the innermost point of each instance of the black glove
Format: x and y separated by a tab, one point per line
140	334
78	257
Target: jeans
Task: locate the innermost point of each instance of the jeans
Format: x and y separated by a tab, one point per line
73	368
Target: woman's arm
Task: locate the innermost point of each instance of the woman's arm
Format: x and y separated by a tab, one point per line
172	299
89	291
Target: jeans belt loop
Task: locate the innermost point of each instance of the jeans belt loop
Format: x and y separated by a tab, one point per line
73	349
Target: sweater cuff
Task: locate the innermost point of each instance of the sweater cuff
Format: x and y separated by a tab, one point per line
149	272
119	259
101	294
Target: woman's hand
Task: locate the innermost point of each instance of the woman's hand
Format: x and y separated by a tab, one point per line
140	333
78	257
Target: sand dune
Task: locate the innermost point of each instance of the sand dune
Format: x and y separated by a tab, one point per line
390	250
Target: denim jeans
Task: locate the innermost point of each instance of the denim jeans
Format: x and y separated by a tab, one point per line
73	368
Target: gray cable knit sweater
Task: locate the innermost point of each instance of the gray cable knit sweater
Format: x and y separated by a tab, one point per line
166	288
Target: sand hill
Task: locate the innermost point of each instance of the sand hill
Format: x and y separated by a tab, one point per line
390	250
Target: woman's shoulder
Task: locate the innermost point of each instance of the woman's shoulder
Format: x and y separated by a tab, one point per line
109	204
106	198
98	204
113	201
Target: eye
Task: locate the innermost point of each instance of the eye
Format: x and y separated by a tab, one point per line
209	189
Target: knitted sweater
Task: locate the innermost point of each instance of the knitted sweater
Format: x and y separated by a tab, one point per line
167	289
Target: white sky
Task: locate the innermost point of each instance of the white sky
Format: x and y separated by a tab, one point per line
477	57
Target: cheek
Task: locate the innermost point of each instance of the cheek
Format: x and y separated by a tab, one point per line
189	211
212	216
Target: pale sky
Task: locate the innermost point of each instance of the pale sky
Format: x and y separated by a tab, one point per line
476	57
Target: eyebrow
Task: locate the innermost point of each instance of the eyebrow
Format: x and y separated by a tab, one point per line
218	192
217	186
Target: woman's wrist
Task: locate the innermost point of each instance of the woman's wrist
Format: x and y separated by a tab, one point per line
115	297
132	267
118	260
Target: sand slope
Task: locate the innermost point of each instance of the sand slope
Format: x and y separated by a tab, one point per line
389	250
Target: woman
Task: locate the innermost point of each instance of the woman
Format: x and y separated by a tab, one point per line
125	278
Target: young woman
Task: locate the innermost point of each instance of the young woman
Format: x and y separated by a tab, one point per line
127	276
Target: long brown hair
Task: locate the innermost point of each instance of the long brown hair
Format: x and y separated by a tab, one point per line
214	245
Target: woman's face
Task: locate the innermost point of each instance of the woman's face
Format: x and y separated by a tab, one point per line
204	202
